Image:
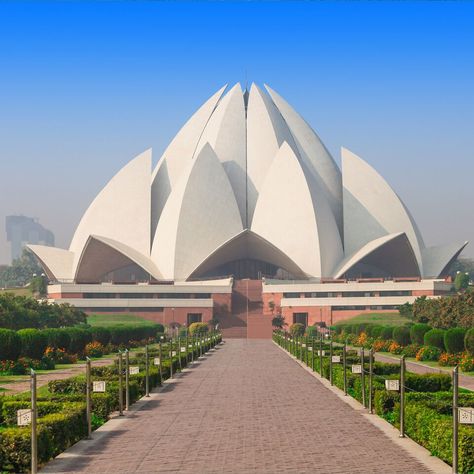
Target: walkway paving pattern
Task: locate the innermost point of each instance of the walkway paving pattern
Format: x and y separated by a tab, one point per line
247	408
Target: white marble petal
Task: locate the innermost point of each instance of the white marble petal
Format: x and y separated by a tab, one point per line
57	263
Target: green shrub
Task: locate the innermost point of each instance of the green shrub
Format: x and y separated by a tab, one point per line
10	344
297	329
435	338
411	350
469	341
401	335
384	401
417	333
198	329
428	382
454	340
79	338
312	331
376	331
101	335
386	333
428	353
33	343
58	338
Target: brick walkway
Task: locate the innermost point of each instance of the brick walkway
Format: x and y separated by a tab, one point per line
247	408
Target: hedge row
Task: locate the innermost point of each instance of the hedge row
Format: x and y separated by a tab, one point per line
32	343
453	341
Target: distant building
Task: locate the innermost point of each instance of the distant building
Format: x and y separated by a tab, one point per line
22	230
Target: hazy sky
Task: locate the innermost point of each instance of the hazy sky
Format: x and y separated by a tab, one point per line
84	87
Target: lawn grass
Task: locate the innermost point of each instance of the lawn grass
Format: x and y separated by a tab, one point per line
385	319
25	291
105	320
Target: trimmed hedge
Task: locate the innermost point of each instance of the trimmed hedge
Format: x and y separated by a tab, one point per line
58	338
469	341
297	329
401	335
33	343
454	340
196	329
10	344
417	333
386	333
435	338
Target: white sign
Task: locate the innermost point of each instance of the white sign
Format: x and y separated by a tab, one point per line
321	353
304	345
190	346
336	359
156	361
183	349
133	370
98	386
356	369
466	415
310	348
393	385
173	353
23	417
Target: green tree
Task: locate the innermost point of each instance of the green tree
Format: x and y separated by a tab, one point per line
461	282
279	321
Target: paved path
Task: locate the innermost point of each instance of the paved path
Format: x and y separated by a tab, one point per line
248	407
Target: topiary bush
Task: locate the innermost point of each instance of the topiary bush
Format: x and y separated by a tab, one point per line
386	333
401	335
197	329
417	333
101	335
297	329
33	343
454	340
10	344
79	337
57	338
376	331
469	341
312	331
434	338
428	353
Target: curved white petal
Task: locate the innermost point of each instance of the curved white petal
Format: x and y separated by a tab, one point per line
102	255
390	255
56	263
177	155
266	131
372	209
290	216
247	245
200	215
226	133
121	211
315	155
437	260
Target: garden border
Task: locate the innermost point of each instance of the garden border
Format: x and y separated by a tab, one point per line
407	444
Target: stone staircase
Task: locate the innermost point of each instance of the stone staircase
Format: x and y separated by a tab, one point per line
247	319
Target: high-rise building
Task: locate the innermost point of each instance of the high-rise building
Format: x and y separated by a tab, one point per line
22	230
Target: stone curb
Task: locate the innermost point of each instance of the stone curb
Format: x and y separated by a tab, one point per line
433	463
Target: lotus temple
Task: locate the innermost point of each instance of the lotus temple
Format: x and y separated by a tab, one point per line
246	215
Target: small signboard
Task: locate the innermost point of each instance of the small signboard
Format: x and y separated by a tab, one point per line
304	345
466	415
321	353
392	385
356	369
183	349
133	370
336	359
173	353
98	386
190	346
156	361
23	417
310	348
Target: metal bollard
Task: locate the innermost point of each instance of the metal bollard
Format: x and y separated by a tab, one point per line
160	353
306	351
147	373
179	354
455	419
344	366
371	377
127	379
362	377
312	353
402	397
330	362
193	348
34	434
88	398
120	370
170	353
321	354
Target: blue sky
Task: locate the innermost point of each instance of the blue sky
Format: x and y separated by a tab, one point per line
84	87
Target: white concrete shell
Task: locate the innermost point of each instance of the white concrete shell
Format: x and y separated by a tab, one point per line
121	211
200	215
266	132
371	208
101	256
56	263
437	260
304	226
179	152
315	155
391	254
